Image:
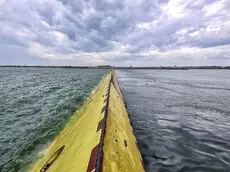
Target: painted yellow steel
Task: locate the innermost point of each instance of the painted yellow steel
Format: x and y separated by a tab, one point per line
120	148
79	136
84	132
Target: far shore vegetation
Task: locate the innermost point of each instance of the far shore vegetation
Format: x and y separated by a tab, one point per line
122	67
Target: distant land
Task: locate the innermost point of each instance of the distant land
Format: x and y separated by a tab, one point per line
119	67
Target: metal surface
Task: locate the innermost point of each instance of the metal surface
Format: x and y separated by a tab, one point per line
120	149
98	137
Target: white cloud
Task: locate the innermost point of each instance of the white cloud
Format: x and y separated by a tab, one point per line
100	32
213	8
175	9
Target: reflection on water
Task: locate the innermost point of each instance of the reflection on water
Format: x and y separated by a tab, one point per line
180	118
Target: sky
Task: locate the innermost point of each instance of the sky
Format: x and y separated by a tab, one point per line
115	32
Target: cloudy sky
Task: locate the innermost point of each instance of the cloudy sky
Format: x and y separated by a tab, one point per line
115	32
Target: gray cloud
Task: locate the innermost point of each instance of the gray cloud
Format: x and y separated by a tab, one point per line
140	32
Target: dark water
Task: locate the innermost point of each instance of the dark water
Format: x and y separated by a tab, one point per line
35	104
181	118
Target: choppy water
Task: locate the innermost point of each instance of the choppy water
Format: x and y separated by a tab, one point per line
181	118
35	104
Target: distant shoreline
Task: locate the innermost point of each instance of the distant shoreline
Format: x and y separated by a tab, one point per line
117	67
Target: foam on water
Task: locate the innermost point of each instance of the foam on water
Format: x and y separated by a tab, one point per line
36	103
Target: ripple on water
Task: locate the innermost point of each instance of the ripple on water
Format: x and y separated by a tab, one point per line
180	119
35	105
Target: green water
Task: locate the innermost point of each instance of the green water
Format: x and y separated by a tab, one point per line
36	103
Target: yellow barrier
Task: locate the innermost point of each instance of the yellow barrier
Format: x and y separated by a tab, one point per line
98	137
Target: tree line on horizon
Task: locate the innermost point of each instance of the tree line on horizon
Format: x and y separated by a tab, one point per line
123	67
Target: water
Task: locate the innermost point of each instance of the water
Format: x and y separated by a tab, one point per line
181	118
35	104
